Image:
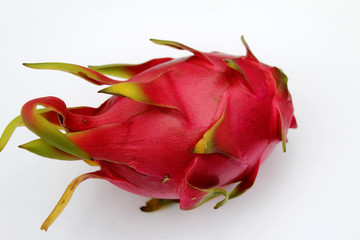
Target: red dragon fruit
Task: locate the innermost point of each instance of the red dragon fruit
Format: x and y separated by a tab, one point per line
178	130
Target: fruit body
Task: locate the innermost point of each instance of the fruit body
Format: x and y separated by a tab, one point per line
176	130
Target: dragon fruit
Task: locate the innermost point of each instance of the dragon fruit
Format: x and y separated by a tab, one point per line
178	130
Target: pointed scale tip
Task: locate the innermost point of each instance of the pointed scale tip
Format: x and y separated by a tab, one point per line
156	41
44	149
9	130
293	123
232	64
102	91
33	65
221	203
173	44
282	131
155	204
64	200
89	75
249	54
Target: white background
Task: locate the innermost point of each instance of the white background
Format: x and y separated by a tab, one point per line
311	192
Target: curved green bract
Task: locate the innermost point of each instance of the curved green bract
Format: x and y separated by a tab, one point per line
281	81
64	200
249	54
44	149
128	70
181	46
134	91
209	143
130	90
49	133
212	193
9	130
155	204
83	72
246	183
173	44
232	64
283	135
116	70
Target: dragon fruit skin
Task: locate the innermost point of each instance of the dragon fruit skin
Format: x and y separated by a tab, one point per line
176	130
